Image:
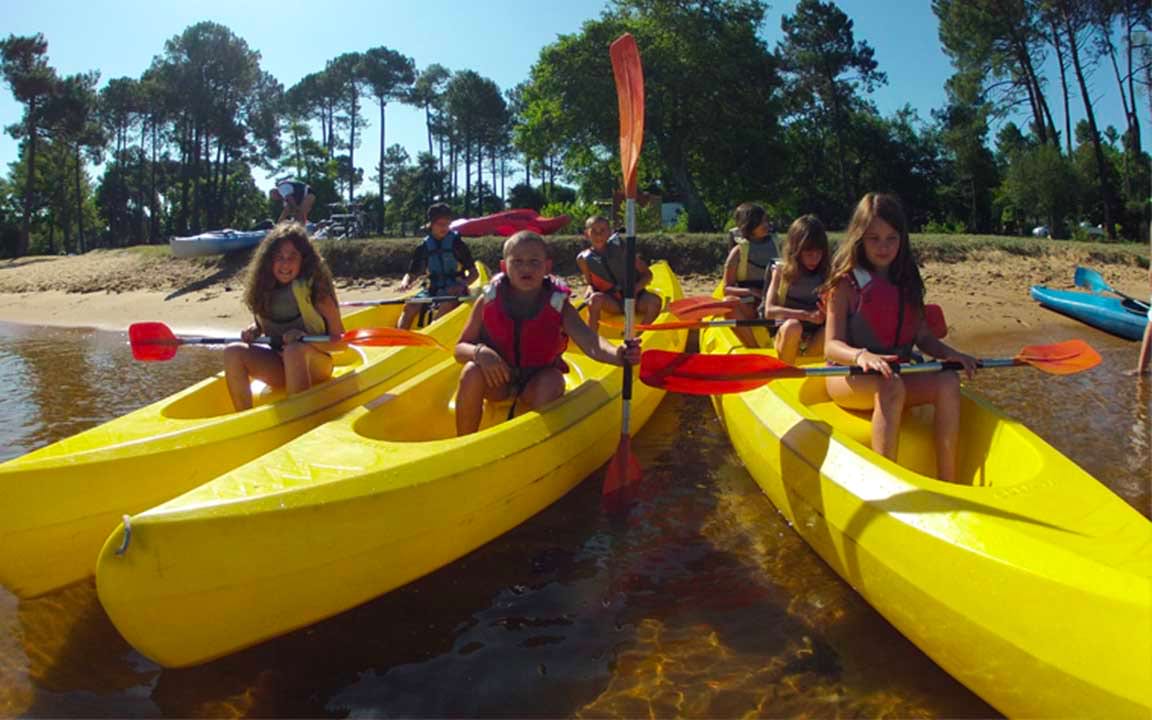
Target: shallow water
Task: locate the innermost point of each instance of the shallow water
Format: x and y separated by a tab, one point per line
702	602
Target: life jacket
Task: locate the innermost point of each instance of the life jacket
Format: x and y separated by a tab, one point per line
607	269
309	319
755	259
443	266
801	294
527	343
878	322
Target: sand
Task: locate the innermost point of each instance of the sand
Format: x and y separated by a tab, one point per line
111	290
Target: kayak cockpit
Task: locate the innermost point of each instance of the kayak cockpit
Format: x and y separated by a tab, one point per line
992	452
212	400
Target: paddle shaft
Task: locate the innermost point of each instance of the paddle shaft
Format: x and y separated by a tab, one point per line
257	341
404	301
629	308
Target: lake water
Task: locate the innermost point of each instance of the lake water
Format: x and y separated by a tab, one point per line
702	602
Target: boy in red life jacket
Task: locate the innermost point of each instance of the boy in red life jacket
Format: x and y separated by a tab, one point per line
875	317
603	267
517	333
446	263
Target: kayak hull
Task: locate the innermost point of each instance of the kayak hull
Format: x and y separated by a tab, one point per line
358	507
58	503
215	243
509	223
1111	314
1031	582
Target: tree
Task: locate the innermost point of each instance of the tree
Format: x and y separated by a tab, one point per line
388	75
73	118
24	65
824	67
426	92
345	71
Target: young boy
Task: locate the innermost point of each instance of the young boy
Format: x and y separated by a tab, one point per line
298	200
516	335
445	258
603	267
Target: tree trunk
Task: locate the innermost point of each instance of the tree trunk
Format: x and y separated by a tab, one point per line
29	183
79	202
1063	86
1134	121
699	220
382	106
467	176
1102	167
153	236
352	151
428	124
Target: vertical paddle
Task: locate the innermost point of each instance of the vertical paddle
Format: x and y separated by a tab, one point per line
623	469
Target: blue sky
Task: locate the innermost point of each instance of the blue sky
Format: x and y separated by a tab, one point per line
500	40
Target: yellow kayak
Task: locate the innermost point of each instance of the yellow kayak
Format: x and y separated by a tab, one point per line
58	503
1028	581
357	507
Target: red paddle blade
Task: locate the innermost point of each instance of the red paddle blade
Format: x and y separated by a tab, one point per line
702	374
683	307
388	337
152	342
934	319
1063	358
630	97
621	477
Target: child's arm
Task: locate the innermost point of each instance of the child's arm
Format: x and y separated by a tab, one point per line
329	309
940	350
416	267
773	277
730	287
595	346
470	349
643	274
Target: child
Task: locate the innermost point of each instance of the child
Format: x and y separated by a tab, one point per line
517	332
793	298
1146	343
753	253
603	267
875	316
289	291
447	260
298	200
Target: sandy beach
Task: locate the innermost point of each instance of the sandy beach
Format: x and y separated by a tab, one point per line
110	290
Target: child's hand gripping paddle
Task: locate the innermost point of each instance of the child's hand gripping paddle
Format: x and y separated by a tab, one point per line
155	342
623	469
702	374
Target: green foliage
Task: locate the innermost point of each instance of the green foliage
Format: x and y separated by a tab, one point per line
525	196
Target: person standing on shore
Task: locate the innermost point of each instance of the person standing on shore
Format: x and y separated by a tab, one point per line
298	200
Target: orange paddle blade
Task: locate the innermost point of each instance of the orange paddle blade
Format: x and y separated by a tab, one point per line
630	98
382	337
1063	358
680	308
621	477
152	341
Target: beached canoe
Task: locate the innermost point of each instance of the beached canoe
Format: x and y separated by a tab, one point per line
58	503
216	242
357	507
1112	314
508	223
1028	581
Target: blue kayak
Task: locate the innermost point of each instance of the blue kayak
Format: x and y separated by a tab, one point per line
1125	318
216	243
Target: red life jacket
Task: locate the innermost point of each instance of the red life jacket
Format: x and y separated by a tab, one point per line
534	342
877	322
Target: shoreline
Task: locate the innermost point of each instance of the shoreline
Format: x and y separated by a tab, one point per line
983	295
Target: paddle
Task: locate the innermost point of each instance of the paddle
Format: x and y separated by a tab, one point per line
155	342
1090	279
623	469
933	315
404	300
699	307
701	374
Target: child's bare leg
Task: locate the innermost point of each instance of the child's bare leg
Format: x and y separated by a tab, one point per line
816	343
744	311
597	304
788	340
303	366
544	387
446	307
470	395
649	305
884	397
242	362
408	315
943	391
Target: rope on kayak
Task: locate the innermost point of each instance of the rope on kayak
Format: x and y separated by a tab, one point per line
127	536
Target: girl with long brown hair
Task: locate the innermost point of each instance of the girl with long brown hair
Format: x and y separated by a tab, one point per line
794	283
875	317
290	294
